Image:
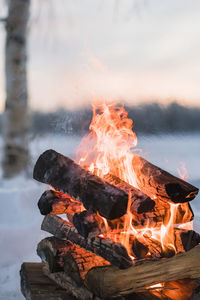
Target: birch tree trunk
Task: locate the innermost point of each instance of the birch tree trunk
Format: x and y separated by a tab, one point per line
16	118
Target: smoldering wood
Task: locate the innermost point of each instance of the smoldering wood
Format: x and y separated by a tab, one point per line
196	293
113	252
175	290
66	176
184	240
140	202
139	250
159	215
91	225
156	182
35	285
55	203
16	118
112	282
88	224
189	238
63	256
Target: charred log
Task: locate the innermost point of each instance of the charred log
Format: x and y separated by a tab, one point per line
140	202
55	203
66	176
189	239
113	252
88	224
139	250
110	281
156	182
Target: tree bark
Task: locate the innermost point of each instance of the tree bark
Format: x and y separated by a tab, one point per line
16	118
110	281
157	183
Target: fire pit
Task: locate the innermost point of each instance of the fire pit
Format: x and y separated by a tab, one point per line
127	224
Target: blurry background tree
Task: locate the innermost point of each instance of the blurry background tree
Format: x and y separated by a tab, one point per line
16	120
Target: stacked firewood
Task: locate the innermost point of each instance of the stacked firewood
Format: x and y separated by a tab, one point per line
82	256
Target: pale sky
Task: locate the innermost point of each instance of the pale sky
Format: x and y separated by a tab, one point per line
135	50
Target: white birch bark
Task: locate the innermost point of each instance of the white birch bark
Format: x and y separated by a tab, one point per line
16	110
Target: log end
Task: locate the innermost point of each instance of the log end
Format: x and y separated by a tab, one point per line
45	203
142	205
86	223
43	164
179	194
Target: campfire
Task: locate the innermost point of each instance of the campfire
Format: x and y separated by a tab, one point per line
125	225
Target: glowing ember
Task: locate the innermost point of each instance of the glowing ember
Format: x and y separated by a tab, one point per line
109	148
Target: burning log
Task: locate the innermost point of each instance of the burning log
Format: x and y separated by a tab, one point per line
88	224
113	252
112	282
66	176
140	203
55	203
63	256
139	250
156	182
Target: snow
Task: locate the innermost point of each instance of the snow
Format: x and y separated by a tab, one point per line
20	219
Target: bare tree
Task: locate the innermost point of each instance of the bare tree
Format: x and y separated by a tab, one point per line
15	124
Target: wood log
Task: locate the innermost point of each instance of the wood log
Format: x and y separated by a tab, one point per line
112	282
160	213
63	256
113	252
68	177
55	203
140	202
35	285
157	183
67	283
91	225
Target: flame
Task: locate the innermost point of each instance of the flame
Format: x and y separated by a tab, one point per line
110	140
182	171
109	148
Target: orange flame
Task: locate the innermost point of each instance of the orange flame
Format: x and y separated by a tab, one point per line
109	148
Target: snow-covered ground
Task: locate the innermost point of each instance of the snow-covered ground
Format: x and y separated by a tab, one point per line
20	219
